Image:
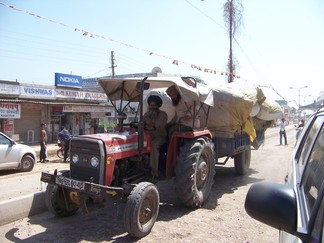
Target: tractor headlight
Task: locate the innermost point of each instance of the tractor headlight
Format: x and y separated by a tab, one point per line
94	162
75	158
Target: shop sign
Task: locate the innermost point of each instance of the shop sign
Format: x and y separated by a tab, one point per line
56	114
30	91
9	89
98	115
31	106
80	95
91	109
57	108
10	110
91	83
68	80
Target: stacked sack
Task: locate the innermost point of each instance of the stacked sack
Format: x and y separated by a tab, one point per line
237	104
264	110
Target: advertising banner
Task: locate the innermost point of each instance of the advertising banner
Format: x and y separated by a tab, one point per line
68	80
9	89
30	91
91	109
81	95
91	83
10	110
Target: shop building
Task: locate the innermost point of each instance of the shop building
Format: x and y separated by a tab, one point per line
78	104
23	107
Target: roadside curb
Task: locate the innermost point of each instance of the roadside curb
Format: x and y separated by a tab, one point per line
21	207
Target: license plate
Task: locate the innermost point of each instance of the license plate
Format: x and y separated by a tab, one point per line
64	181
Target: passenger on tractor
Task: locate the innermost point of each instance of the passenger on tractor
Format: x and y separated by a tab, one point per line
155	121
184	111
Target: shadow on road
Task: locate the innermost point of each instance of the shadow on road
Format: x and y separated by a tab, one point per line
226	181
106	224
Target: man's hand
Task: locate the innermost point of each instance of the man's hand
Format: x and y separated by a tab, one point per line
149	126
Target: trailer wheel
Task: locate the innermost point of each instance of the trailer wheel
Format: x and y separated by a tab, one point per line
242	162
195	171
142	209
55	200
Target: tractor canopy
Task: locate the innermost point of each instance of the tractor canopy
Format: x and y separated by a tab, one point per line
127	89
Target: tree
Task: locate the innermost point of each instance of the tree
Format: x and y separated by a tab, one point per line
233	18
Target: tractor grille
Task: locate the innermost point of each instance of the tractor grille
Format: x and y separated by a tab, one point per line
85	149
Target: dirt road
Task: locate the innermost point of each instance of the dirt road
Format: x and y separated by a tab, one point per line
14	183
221	219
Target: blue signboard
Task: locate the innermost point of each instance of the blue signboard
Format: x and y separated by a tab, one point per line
90	83
68	80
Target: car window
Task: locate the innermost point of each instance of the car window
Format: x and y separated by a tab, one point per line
306	145
313	176
317	231
4	140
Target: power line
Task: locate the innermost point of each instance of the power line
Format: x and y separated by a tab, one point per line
175	61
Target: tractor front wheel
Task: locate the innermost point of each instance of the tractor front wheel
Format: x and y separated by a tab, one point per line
142	209
57	202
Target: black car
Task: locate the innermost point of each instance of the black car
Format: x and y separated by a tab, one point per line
297	207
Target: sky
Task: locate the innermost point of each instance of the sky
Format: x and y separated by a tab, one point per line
279	43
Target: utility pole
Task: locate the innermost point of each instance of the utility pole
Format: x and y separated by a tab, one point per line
112	64
299	88
231	68
233	16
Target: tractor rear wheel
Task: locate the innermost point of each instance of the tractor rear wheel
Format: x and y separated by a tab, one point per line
57	201
142	209
195	171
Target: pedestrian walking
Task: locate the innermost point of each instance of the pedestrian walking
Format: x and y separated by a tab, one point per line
43	142
282	131
300	128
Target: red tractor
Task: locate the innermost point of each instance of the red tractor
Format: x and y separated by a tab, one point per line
116	165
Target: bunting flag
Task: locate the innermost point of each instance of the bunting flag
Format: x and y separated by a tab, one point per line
90	34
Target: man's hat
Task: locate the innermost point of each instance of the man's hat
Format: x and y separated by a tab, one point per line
171	89
156	99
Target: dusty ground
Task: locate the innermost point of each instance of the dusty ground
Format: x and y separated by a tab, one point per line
221	219
14	183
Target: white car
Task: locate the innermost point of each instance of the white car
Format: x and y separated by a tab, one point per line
15	156
296	208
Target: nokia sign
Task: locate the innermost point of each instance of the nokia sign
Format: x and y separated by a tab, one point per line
68	80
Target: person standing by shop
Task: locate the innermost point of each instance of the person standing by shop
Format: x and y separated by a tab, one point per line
282	131
43	141
95	126
65	137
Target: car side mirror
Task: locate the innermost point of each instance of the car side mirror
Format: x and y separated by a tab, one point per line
274	205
